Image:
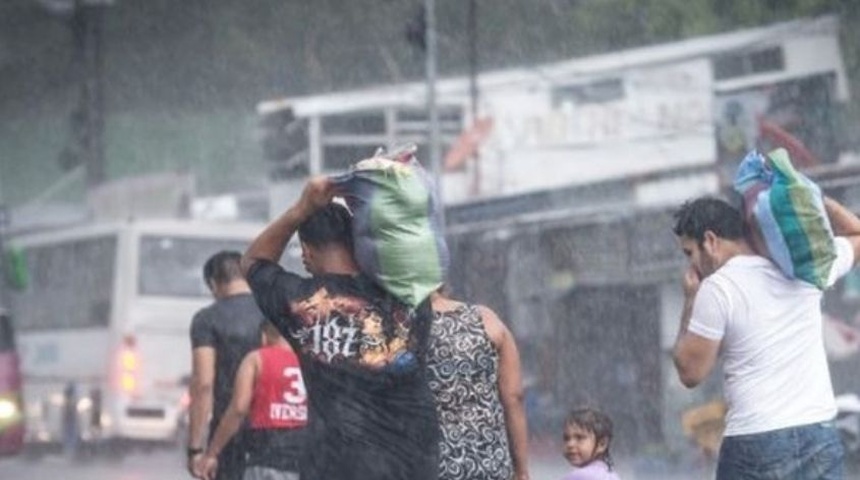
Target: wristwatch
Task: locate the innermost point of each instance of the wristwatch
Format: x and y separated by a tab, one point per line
192	451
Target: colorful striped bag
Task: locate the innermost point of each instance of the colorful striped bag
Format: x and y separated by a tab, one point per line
397	224
785	212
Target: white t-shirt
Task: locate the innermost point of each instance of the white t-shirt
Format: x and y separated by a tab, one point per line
770	328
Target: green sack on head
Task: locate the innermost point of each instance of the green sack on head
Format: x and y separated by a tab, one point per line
397	227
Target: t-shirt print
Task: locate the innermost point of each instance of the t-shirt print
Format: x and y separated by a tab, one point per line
337	328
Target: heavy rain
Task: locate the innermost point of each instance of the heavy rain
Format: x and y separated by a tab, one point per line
560	137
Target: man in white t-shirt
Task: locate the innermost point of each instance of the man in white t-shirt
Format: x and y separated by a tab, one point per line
768	330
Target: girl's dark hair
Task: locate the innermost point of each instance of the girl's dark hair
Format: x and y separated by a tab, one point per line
331	224
222	267
596	422
696	217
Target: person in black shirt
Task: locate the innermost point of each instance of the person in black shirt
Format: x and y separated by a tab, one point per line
221	335
371	412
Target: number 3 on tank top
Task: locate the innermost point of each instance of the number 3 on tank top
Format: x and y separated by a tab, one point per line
295	392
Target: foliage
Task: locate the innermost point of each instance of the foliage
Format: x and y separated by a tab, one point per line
198	52
196	59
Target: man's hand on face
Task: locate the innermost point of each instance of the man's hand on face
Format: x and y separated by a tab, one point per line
318	192
691	282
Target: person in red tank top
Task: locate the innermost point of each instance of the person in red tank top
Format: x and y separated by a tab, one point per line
270	392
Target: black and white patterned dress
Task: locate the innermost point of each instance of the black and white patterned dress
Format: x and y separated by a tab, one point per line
463	368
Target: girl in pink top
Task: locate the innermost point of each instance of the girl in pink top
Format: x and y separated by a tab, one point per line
587	435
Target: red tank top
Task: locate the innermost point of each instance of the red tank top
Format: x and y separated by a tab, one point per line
280	399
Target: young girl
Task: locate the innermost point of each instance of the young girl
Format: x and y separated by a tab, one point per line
587	435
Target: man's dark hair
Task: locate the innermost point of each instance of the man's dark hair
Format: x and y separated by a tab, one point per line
331	224
696	217
222	267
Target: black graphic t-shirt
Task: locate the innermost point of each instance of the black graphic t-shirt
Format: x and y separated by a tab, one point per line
371	412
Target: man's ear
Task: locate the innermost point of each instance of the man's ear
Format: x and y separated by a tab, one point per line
710	241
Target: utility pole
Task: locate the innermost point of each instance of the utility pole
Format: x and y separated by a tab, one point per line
4	267
473	58
88	120
432	107
472	22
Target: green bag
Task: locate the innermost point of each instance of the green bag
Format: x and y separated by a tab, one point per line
397	225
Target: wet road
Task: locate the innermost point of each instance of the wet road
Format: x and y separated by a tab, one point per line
138	466
168	465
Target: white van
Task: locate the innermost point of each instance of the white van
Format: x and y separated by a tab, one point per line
103	325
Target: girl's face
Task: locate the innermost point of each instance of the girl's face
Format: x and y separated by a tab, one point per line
581	446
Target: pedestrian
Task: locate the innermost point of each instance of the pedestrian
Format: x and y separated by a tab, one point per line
221	335
371	412
587	438
71	422
768	330
474	373
269	388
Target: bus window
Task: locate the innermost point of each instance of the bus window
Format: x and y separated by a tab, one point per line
11	405
70	285
173	266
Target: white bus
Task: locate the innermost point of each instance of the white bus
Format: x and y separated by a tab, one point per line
103	326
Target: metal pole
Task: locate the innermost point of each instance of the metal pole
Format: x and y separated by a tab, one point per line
89	17
473	58
473	87
4	283
4	225
432	107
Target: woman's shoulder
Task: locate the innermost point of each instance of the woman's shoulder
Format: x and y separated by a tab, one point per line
442	304
493	325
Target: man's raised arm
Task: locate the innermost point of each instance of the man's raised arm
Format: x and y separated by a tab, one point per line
272	241
844	223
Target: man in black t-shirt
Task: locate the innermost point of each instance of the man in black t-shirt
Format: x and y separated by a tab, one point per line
221	335
371	412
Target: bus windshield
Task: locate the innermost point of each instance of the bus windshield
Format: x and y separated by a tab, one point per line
70	285
173	266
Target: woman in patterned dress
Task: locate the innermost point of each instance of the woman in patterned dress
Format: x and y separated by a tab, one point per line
474	373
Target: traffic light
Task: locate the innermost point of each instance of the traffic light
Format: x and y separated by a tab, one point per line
285	144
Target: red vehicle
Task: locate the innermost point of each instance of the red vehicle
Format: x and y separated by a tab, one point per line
11	404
